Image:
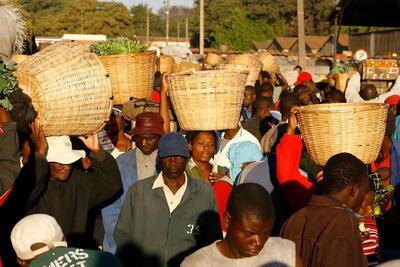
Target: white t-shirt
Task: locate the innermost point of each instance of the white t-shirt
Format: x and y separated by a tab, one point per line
277	252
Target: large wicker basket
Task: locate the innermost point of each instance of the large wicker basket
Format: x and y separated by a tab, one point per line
269	62
131	75
69	88
329	129
166	64
186	66
245	59
213	59
207	100
253	71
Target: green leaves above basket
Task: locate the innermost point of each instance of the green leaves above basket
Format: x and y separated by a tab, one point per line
8	84
118	46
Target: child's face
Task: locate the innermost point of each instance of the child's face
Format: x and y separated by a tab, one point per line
366	207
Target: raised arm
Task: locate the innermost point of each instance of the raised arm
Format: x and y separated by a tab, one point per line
105	181
296	187
164	112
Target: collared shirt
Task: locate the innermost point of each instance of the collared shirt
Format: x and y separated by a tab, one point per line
146	164
173	200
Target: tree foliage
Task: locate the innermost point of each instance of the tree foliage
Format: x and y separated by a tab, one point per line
56	17
265	19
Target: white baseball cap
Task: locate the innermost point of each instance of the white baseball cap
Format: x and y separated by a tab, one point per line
36	228
60	150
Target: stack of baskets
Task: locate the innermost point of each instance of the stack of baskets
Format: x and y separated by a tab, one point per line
253	71
131	75
69	88
329	129
207	100
269	62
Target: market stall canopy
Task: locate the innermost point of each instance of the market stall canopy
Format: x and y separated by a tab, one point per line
382	13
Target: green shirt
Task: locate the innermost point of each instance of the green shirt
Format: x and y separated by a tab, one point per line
75	257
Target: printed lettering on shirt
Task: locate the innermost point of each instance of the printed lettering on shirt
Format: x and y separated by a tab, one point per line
71	259
192	229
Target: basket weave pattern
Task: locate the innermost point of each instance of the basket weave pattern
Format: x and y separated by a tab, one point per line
245	59
253	71
207	100
329	129
269	62
69	89
131	75
166	64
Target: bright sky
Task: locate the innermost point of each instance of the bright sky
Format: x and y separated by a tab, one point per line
156	4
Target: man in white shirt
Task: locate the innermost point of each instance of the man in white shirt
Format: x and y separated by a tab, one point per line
352	92
249	219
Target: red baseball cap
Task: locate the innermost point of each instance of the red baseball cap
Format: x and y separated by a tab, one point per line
393	100
303	77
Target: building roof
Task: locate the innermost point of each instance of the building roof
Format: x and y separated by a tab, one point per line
316	42
286	42
262	44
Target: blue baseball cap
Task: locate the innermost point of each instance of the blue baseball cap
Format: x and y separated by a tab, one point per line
173	144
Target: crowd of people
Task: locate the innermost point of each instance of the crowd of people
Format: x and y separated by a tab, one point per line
150	196
143	192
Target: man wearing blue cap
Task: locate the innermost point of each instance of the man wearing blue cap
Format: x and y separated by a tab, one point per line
166	217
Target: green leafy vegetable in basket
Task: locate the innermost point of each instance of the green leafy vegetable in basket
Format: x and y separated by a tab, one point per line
118	46
8	84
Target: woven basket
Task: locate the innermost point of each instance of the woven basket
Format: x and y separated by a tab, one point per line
17	58
207	100
245	59
69	88
253	71
166	64
186	66
329	129
269	62
341	84
130	75
213	59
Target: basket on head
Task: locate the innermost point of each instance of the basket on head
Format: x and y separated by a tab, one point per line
186	66
213	59
356	128
166	64
245	59
17	58
269	62
207	100
69	88
130	75
253	71
341	82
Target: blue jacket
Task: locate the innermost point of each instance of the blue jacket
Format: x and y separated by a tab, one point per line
128	168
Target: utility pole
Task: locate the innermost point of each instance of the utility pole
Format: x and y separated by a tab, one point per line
178	32
187	28
81	20
167	22
147	23
201	28
301	35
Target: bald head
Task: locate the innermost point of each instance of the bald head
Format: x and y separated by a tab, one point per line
251	200
369	92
